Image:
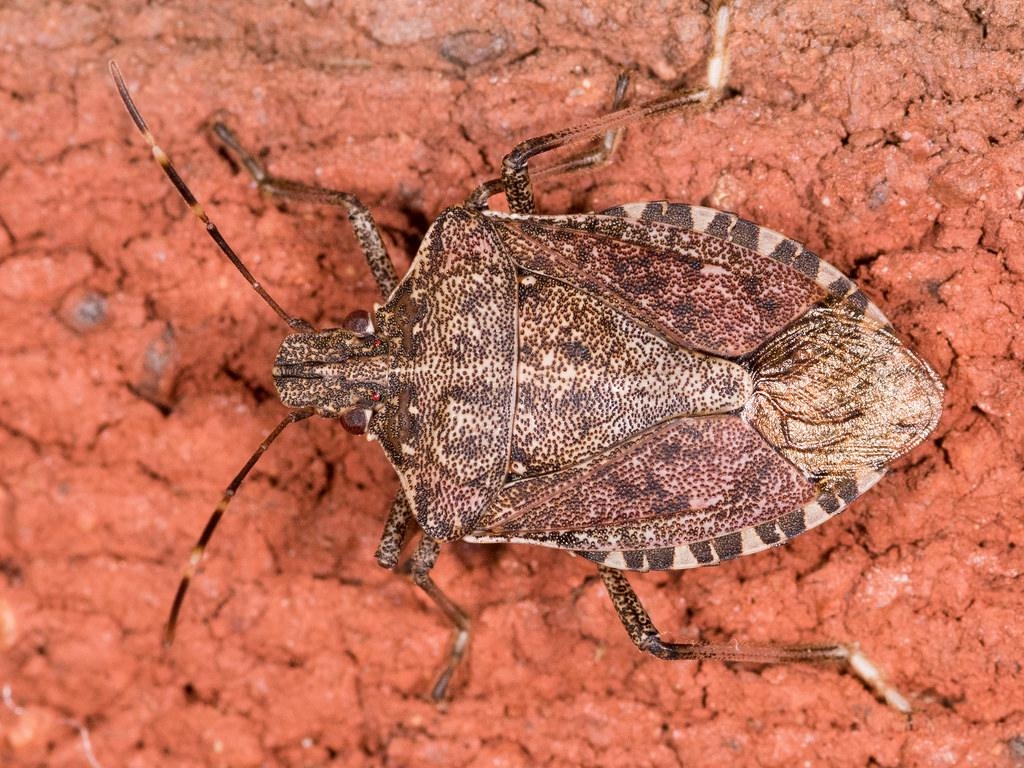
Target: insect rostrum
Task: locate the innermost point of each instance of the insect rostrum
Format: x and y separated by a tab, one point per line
655	386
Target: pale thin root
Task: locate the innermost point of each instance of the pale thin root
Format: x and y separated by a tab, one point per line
83	732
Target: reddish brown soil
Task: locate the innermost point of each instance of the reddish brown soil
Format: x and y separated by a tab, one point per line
135	381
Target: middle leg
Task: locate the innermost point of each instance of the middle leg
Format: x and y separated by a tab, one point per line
515	173
418	567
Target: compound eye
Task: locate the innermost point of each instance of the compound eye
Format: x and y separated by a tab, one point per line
356	421
359	322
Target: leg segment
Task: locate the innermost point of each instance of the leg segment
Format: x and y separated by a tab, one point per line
419	566
393	538
598	155
602	152
515	175
646	637
365	229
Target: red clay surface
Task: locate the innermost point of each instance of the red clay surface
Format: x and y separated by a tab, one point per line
135	382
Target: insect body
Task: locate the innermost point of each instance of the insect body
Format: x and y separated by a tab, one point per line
657	386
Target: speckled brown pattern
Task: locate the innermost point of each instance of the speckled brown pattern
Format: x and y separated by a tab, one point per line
452	326
332	370
688	479
835	395
702	292
596	374
521	397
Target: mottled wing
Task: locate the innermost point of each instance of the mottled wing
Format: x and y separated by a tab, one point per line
689	492
695	491
704	279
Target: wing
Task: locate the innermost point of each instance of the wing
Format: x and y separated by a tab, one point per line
704	279
689	492
695	491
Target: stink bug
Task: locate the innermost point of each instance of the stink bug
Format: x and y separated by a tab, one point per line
655	386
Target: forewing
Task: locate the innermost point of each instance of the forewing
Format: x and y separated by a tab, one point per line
694	491
686	480
703	279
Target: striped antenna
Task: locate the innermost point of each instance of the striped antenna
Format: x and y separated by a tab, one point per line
295	323
204	538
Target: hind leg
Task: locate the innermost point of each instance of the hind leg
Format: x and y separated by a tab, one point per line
647	638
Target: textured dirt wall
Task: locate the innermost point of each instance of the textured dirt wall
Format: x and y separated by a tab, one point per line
134	381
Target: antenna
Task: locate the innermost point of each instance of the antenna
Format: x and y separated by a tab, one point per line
204	538
295	323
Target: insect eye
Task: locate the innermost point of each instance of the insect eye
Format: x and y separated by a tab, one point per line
359	322
356	421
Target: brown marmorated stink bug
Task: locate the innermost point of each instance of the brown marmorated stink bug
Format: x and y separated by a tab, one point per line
656	386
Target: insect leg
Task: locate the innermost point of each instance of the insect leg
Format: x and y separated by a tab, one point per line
393	538
515	178
370	240
594	157
604	148
419	566
646	637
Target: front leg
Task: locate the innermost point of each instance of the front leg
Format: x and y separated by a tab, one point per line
418	567
393	538
516	175
370	241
